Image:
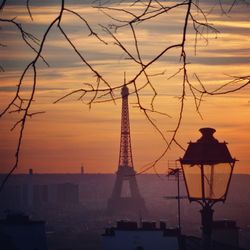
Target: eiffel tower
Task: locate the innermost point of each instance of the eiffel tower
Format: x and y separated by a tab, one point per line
122	202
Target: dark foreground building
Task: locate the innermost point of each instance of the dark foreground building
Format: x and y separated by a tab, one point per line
128	235
18	232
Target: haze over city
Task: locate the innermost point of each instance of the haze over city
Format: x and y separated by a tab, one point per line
69	134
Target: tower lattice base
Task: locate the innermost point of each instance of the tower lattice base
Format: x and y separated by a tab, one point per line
133	204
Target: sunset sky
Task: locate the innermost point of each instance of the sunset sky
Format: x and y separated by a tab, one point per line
69	134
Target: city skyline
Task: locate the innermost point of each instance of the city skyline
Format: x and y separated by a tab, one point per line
69	135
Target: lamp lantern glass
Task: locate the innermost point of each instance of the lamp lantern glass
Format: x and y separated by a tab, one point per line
207	167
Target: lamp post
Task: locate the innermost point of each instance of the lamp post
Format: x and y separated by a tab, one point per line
207	167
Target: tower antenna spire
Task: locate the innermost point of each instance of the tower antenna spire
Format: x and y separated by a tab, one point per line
124	78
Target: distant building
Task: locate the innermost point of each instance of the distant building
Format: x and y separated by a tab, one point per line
67	193
33	192
40	195
82	169
226	231
18	232
129	236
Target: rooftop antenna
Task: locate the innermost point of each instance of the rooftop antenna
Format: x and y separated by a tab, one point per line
176	171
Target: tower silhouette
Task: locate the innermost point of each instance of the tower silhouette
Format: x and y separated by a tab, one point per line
122	202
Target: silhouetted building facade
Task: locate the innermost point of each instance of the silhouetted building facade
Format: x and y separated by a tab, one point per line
33	193
18	232
68	193
129	236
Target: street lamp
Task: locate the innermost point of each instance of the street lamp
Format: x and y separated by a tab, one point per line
207	168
